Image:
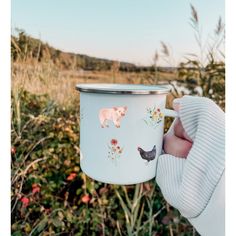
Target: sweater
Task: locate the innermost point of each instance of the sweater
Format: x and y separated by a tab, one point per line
195	186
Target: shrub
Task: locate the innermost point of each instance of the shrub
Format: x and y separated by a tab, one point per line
52	196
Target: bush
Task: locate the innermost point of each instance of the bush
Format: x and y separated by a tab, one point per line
52	196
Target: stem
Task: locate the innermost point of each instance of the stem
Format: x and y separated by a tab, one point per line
23	177
153	217
170	225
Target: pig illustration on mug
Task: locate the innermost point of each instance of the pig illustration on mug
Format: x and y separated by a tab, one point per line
114	114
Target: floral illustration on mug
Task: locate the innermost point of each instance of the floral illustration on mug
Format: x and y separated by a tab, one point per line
153	116
114	150
114	114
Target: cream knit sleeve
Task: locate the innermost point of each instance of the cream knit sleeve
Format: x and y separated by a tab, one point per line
189	184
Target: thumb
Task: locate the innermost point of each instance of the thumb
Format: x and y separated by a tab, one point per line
169	177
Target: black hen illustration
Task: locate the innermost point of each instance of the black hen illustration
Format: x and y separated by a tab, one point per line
149	155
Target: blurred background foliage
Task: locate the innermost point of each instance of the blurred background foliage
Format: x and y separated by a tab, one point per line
50	194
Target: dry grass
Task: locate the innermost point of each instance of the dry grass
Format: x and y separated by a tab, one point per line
46	78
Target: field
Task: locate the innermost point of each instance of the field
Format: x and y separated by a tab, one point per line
60	84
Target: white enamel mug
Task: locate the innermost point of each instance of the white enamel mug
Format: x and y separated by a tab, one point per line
121	131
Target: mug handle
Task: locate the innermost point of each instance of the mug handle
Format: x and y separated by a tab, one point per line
171	113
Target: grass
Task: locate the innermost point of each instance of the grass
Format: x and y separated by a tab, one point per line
46	78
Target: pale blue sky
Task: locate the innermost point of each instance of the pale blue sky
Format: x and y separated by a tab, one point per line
128	30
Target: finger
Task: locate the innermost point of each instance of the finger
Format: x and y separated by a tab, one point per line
180	132
178	129
176	146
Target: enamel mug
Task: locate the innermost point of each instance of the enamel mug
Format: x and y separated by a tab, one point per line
121	131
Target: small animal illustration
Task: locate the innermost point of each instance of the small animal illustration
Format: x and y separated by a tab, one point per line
114	114
148	155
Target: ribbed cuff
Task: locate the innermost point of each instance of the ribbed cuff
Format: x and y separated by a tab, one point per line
169	177
204	122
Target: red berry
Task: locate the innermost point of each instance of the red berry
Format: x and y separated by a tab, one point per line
71	176
25	201
85	198
35	188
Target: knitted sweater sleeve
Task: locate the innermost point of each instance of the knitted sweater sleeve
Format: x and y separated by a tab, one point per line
195	185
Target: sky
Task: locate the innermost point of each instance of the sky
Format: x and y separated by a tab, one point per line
125	30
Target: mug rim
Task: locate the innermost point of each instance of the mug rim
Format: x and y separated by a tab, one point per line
106	88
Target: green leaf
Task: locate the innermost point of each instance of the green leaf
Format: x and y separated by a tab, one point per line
17	233
124	207
57	223
42	224
78	191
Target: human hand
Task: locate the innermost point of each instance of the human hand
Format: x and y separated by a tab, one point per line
176	142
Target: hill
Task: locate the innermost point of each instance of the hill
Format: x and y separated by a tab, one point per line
27	48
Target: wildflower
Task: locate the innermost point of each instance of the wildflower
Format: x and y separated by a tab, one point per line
85	198
71	176
35	188
118	147
158	109
161	115
13	150
114	142
25	201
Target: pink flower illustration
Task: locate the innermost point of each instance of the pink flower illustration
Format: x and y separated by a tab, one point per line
114	142
114	151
